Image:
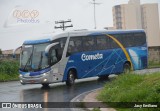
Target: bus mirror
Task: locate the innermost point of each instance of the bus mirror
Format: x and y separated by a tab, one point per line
49	47
14	51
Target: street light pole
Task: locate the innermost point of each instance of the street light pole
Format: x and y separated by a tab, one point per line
94	4
94	7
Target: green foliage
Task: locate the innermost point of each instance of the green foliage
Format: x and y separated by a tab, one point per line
8	70
132	88
0	51
96	109
153	64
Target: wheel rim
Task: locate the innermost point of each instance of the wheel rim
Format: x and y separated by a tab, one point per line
71	78
126	68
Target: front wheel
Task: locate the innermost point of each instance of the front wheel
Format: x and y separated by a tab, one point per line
71	78
45	85
126	68
103	77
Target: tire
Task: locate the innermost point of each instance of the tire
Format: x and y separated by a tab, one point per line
45	85
126	68
103	77
71	78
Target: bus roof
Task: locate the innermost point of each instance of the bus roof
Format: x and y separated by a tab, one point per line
75	33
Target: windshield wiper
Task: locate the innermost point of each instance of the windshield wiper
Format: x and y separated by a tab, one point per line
40	62
27	62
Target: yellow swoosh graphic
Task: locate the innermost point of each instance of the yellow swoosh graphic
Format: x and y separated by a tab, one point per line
123	48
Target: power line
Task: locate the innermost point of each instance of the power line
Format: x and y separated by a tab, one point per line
94	7
63	26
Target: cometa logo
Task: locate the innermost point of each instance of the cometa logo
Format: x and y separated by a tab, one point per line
85	57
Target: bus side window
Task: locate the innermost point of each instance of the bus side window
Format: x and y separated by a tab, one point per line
139	39
129	38
70	47
101	42
121	39
62	42
75	45
88	43
113	44
53	56
78	44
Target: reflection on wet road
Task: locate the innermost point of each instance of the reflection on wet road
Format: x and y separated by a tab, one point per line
58	92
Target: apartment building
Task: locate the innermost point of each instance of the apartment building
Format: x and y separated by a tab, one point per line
135	15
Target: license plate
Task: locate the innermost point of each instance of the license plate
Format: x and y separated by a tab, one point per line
32	81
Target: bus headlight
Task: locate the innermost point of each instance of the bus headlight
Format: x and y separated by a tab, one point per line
44	74
45	80
20	75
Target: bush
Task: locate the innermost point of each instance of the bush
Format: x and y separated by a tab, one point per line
8	70
132	88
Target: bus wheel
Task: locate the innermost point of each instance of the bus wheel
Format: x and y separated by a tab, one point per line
103	77
126	68
45	85
71	78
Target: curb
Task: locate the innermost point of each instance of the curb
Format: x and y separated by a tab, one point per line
80	98
89	96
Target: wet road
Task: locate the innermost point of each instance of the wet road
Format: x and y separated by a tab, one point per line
58	92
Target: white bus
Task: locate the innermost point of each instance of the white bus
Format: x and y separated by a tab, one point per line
72	55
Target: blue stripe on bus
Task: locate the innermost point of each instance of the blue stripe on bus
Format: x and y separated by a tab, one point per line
35	73
39	72
31	42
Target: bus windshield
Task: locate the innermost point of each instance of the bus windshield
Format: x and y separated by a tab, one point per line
33	57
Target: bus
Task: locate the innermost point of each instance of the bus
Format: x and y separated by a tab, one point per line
79	54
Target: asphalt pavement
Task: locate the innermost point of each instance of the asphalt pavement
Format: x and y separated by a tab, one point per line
58	92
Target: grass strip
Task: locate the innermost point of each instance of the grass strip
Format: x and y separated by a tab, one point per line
132	88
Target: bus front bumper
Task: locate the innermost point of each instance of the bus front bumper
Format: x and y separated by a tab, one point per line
40	79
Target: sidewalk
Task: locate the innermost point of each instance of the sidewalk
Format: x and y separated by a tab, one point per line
91	97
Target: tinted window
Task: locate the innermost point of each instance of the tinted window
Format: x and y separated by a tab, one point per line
128	40
105	42
120	38
139	39
113	44
62	42
88	43
53	56
102	42
75	45
131	39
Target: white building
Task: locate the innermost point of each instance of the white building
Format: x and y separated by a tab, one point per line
150	22
136	16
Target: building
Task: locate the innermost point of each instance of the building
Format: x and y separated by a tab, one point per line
150	23
8	54
125	13
140	16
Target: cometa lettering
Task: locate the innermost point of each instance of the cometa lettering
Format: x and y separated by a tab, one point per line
85	57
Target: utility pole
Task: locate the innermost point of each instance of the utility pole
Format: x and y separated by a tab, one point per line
63	26
94	7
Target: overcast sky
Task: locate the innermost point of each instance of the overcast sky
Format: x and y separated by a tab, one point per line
13	33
